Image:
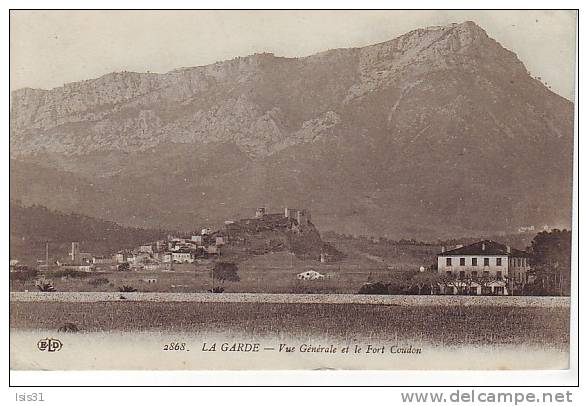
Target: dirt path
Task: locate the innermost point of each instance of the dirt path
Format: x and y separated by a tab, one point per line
398	300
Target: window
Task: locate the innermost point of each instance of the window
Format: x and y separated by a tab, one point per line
448	273
461	274
474	274
448	261
499	275
486	261
474	261
462	261
498	261
486	274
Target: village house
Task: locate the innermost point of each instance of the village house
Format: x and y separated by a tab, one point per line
120	257
146	248
13	264
166	257
77	267
159	245
526	229
483	268
142	257
101	260
182	256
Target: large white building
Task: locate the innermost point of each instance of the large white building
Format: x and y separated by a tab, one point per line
485	267
181	256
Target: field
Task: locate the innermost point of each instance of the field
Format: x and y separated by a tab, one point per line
270	273
446	325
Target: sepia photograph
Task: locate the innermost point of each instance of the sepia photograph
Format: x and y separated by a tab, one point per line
291	189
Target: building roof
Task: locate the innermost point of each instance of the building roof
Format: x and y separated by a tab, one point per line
485	247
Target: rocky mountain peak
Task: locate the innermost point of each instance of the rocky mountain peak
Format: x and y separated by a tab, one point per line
440	131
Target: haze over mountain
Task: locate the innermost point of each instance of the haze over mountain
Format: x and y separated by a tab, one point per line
440	132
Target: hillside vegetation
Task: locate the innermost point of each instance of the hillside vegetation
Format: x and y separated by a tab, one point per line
32	226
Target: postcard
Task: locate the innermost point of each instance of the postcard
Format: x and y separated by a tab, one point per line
291	190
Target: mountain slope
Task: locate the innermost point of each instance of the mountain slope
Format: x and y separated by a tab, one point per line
33	226
437	133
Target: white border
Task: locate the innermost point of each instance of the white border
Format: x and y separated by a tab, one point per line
541	378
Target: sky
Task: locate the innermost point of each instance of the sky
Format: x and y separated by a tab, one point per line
51	48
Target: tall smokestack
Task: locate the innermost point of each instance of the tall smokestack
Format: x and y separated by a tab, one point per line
75	252
483	246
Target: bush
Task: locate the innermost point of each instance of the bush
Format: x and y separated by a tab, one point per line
23	274
391	288
127	288
45	285
217	289
98	281
377	288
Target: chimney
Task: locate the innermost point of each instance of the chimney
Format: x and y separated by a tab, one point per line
483	246
443	249
508	249
75	252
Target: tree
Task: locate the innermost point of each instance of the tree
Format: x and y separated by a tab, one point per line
429	280
225	271
551	260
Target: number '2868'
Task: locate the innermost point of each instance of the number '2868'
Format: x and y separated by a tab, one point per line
175	347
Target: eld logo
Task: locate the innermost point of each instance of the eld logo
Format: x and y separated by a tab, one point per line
49	345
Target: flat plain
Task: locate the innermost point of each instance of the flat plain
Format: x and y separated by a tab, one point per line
452	324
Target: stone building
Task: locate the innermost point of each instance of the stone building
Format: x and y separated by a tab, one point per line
485	267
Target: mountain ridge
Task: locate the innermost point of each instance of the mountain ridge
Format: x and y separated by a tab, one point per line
438	132
130	90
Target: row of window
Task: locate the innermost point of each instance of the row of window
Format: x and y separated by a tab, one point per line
473	290
474	274
462	261
520	261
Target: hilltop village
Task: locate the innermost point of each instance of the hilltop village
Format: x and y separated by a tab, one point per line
290	230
